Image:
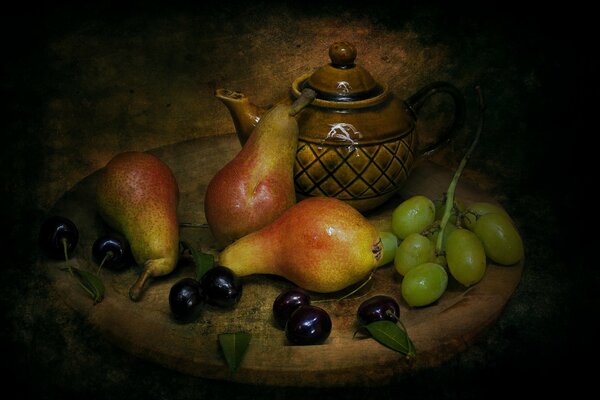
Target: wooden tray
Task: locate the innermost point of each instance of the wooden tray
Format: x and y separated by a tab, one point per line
147	329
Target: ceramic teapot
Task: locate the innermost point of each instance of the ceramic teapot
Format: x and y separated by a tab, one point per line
357	141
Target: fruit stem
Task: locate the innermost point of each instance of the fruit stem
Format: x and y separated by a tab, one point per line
138	287
65	245
431	228
452	187
362	285
306	97
77	277
109	254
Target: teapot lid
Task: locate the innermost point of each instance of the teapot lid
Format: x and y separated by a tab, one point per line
342	79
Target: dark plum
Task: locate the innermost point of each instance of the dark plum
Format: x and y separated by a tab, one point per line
114	250
378	308
308	325
54	231
186	298
286	303
222	287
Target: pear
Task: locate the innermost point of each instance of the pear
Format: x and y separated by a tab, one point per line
138	196
257	185
321	244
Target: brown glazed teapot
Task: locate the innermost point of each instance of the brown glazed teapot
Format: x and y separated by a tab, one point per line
357	141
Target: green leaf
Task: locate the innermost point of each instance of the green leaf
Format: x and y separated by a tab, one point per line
393	336
234	346
91	283
203	261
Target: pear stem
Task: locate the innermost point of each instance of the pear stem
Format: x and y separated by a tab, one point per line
138	287
306	97
452	187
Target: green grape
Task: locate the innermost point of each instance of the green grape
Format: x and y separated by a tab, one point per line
500	238
465	257
412	216
479	209
415	250
390	244
424	284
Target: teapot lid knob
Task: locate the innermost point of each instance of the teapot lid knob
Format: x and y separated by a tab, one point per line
342	54
342	79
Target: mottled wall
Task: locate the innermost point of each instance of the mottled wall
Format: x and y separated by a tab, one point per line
145	78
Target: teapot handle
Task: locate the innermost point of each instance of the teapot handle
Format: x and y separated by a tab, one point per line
417	100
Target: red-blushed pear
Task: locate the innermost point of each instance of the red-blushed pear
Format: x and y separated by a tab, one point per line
138	196
321	244
257	185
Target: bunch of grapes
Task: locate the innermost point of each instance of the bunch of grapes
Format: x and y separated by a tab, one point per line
472	235
442	237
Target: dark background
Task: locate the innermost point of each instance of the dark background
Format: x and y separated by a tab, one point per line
69	71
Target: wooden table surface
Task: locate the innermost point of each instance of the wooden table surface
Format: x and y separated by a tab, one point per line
146	328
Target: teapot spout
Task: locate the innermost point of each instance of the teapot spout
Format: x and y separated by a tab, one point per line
245	114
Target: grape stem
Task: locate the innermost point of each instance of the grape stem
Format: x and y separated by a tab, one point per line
452	187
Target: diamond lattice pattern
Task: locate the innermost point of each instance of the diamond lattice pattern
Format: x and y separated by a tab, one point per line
352	172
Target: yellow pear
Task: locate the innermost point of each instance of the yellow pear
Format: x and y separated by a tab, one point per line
321	244
138	196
